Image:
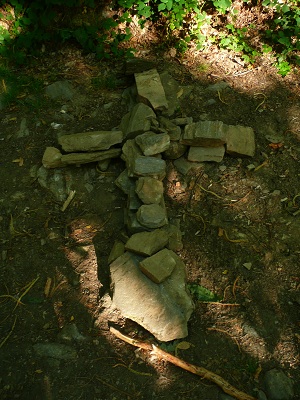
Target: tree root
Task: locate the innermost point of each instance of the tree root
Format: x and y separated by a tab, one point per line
194	369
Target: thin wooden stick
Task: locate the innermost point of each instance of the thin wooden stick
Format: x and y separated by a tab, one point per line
194	369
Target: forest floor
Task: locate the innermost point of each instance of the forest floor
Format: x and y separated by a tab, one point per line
240	225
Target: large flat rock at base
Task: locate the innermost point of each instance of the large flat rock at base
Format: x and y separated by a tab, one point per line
90	141
163	309
240	140
150	89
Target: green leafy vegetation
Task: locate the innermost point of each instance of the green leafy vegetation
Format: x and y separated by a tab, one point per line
26	26
202	294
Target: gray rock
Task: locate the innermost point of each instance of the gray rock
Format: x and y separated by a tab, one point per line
137	121
60	90
174	131
124	182
117	250
153	143
240	140
85	158
149	190
70	333
204	133
149	166
200	154
174	236
147	243
133	200
182	121
175	151
23	130
278	386
132	223
90	141
130	152
261	395
159	266
152	216
55	350
52	158
166	307
173	92
55	181
184	166
150	89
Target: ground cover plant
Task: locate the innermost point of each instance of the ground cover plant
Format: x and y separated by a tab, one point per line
275	28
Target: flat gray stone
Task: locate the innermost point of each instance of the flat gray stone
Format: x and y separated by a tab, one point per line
153	143
159	266
137	121
240	140
149	190
200	154
182	121
166	307
90	141
152	216
150	89
149	166
130	152
124	182
204	133
60	90
278	386
84	158
147	243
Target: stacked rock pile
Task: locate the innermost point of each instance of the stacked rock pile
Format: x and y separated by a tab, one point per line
148	277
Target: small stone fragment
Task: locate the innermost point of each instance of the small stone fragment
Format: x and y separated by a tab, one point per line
153	143
147	243
159	266
150	89
200	154
152	216
149	190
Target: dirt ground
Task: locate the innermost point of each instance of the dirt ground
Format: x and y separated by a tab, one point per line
240	224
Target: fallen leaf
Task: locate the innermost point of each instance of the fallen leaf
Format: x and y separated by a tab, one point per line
275	146
20	161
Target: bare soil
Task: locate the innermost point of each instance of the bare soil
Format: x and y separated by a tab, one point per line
241	239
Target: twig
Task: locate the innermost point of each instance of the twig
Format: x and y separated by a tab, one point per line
10	332
209	191
28	287
200	371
